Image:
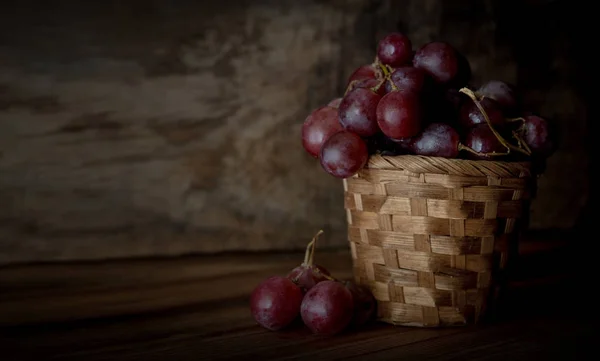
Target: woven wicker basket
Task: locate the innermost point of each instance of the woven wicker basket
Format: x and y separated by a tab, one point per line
431	236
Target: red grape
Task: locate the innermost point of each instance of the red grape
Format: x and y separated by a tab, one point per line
335	103
538	135
437	140
321	124
327	308
275	302
470	115
408	78
394	50
399	114
363	72
307	276
482	140
344	154
364	304
501	92
438	59
357	112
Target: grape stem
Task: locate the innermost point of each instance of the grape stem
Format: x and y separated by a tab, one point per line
512	120
350	86
471	150
468	92
521	142
387	75
375	89
310	250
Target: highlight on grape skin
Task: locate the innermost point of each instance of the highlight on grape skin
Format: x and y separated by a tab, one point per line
357	112
437	140
321	124
438	59
344	154
395	49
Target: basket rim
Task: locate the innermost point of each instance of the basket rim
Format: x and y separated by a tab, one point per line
453	166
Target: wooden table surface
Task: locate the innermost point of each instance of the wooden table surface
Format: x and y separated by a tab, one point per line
196	308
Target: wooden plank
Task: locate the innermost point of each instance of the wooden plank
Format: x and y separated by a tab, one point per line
196	308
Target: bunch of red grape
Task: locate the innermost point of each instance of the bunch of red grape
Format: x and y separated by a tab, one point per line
420	102
325	305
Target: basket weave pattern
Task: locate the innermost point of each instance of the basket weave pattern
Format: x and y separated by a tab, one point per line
429	234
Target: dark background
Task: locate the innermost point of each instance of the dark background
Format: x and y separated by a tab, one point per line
136	128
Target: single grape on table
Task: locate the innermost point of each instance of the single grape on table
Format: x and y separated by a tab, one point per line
275	302
327	308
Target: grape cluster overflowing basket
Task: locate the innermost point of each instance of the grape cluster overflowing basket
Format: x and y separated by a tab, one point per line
437	175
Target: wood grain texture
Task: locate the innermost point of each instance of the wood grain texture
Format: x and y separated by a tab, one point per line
136	128
196	308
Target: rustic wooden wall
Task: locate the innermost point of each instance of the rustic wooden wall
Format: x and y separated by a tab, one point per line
167	127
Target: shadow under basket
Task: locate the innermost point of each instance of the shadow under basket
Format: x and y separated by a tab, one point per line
432	237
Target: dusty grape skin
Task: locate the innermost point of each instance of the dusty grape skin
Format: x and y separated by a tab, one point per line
408	78
306	276
482	140
275	302
395	50
357	112
437	140
327	308
399	114
438	59
470	115
503	93
335	103
363	72
364	304
538	135
344	154
321	124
